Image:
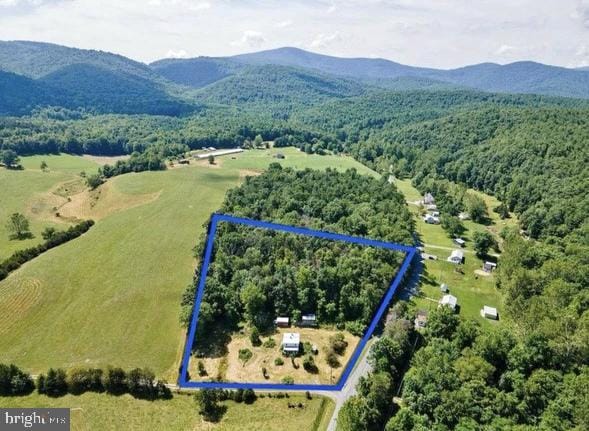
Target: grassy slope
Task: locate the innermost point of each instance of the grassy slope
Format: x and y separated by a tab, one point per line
105	412
472	290
20	187
112	296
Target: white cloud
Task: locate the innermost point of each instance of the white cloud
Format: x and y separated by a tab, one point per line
283	24
176	54
325	40
251	39
506	50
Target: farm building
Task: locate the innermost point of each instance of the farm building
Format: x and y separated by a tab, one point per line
291	342
489	313
449	301
420	319
457	257
459	241
282	322
308	320
489	266
444	288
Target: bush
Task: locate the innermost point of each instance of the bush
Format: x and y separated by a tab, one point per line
255	337
249	396
309	364
332	359
202	371
115	381
238	396
278	361
13	381
338	344
245	355
140	383
270	343
85	380
54	384
355	328
288	380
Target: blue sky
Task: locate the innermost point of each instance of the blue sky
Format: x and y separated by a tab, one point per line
435	33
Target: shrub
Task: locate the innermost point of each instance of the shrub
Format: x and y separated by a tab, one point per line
309	364
264	372
278	361
270	343
288	380
115	381
238	396
337	343
332	359
202	371
54	384
245	355
140	383
85	380
249	396
13	381
355	328
255	337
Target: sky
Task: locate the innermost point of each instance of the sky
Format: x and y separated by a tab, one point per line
432	33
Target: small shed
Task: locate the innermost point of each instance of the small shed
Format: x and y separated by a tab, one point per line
282	322
431	207
449	301
489	266
459	241
456	257
279	156
308	320
291	342
420	319
444	288
464	216
489	313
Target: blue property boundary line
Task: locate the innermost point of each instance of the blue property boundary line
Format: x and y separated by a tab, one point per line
183	381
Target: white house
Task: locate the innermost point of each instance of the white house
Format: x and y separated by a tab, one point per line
290	342
430	219
449	301
489	312
457	257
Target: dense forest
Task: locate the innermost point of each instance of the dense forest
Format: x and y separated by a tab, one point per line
259	274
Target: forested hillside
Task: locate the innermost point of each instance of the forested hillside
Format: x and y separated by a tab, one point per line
258	274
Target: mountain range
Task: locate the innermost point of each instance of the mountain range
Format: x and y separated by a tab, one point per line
34	74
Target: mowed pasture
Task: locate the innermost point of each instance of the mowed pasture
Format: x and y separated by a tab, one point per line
104	412
112	296
20	191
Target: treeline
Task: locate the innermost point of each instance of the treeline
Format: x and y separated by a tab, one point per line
139	382
55	130
56	238
260	274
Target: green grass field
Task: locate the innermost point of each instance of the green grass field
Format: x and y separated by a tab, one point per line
112	296
106	412
19	189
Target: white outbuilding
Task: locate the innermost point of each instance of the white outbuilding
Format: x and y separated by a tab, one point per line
449	301
457	256
291	342
489	313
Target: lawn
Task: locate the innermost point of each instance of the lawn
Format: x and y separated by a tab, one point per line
21	189
105	412
113	295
